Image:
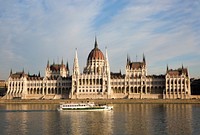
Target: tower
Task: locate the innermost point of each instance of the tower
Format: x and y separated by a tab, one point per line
95	61
75	77
107	67
76	65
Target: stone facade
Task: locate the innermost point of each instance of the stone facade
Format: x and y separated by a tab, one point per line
55	85
98	82
177	84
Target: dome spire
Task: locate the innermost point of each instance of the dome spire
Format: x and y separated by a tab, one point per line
95	43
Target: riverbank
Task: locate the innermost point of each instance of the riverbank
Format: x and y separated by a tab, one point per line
105	101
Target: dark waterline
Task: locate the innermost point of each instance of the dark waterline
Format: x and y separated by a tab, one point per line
125	119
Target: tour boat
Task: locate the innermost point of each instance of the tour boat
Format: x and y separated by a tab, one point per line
84	107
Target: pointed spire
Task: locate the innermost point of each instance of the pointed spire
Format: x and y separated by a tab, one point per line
95	43
23	71
182	67
136	57
106	54
67	66
76	65
11	71
48	64
128	59
167	68
144	60
62	63
39	74
107	62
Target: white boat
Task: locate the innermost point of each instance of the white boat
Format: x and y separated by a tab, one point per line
84	107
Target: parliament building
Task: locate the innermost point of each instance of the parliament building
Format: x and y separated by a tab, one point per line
98	82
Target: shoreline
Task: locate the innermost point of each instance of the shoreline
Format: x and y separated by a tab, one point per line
104	101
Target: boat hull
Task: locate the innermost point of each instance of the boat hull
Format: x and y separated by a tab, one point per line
83	107
88	110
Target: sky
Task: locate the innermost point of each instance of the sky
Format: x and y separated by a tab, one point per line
32	32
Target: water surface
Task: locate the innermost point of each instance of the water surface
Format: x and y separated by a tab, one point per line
125	119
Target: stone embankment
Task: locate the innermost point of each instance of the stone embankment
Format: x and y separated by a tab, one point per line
105	101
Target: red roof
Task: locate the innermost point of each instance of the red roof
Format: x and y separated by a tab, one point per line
18	75
96	54
56	67
177	72
136	65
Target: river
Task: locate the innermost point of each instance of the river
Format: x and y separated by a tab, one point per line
125	119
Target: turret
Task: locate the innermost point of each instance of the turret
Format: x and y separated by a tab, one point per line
48	64
76	65
67	67
107	63
167	68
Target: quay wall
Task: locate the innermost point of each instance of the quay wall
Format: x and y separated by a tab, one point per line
104	101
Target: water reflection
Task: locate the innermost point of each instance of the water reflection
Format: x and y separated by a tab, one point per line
178	118
147	119
88	122
128	119
27	107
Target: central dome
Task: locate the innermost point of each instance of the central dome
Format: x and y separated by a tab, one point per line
96	53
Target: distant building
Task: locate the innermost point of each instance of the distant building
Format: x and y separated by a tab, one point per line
98	82
3	87
195	87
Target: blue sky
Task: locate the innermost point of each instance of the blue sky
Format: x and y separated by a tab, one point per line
34	31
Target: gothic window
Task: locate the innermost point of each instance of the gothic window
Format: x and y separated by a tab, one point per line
59	91
101	81
38	91
171	81
179	82
86	81
79	81
31	92
93	81
183	82
143	89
